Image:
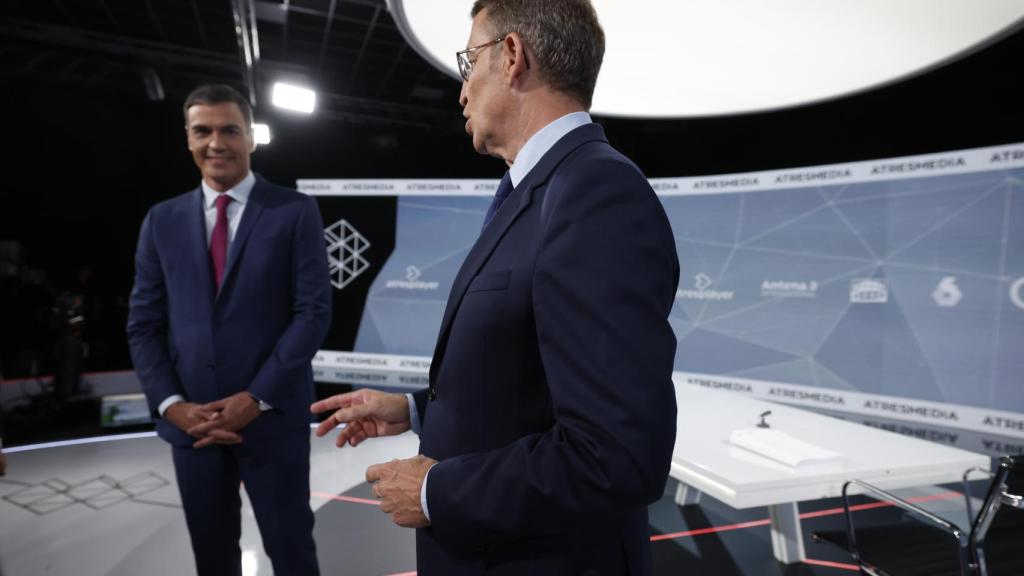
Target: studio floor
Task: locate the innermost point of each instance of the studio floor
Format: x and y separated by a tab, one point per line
110	507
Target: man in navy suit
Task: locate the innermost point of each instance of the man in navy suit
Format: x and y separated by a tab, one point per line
549	421
231	301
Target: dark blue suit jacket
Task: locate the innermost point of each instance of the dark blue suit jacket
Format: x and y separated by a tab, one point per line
551	406
258	334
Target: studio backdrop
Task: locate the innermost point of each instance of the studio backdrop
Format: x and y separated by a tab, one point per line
891	287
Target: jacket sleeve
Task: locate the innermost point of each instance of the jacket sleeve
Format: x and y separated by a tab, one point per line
148	322
311	310
604	283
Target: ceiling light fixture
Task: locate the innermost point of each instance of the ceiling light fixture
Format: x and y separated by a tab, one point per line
291	97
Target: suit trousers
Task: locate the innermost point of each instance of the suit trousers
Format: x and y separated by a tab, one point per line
275	474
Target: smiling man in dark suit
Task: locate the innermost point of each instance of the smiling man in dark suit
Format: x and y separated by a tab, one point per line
231	301
549	421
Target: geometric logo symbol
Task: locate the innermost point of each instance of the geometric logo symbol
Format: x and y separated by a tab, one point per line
412	273
702	281
947	294
1017	292
869	291
96	493
345	247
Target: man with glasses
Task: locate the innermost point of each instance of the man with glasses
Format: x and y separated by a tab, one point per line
549	422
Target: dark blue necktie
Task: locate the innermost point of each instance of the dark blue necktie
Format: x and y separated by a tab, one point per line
504	189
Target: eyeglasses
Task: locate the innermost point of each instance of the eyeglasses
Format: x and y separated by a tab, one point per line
465	64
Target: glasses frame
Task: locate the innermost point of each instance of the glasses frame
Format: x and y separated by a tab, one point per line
465	64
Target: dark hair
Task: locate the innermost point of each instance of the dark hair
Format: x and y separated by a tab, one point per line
565	36
217	94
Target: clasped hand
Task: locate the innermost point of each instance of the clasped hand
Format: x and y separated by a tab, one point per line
217	422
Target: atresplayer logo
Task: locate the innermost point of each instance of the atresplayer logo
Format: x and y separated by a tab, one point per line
947	294
701	290
412	281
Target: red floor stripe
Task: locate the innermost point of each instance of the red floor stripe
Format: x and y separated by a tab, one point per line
712	529
873	505
352	499
840	565
817	514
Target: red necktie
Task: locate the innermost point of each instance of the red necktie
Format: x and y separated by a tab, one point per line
219	239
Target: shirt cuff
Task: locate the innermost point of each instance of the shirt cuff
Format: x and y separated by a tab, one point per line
423	493
264	407
414	418
167	403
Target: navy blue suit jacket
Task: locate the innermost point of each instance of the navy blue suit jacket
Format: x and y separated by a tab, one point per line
258	334
551	406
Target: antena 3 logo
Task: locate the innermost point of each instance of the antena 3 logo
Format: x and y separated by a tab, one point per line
869	291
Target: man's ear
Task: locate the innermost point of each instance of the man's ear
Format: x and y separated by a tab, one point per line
514	58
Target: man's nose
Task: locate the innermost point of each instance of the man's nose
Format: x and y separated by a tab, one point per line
463	99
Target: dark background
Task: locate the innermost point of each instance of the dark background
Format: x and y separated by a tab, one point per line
89	149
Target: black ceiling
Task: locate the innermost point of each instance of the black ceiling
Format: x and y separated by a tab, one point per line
350	51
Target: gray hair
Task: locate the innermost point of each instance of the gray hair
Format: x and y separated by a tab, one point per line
564	35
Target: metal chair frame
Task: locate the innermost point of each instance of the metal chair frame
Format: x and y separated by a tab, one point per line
970	548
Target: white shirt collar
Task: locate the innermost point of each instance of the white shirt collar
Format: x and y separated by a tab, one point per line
539	144
240	193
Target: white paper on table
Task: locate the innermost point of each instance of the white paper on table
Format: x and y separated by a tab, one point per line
781	447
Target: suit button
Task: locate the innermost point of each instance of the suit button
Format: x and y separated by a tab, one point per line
432	395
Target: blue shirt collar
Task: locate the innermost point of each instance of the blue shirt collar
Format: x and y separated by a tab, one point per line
539	144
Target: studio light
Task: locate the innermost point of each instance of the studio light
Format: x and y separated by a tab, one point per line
261	132
291	97
710	57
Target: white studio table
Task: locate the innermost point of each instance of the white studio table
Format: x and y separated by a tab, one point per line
704	461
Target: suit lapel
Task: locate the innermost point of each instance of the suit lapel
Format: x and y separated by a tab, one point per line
253	209
198	242
494	232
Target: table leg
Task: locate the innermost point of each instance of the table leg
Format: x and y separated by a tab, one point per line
686	495
787	538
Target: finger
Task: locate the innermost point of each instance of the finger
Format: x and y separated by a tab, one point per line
350	432
357	439
227	436
203	442
377	471
202	429
352	413
333	403
325	427
215	406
